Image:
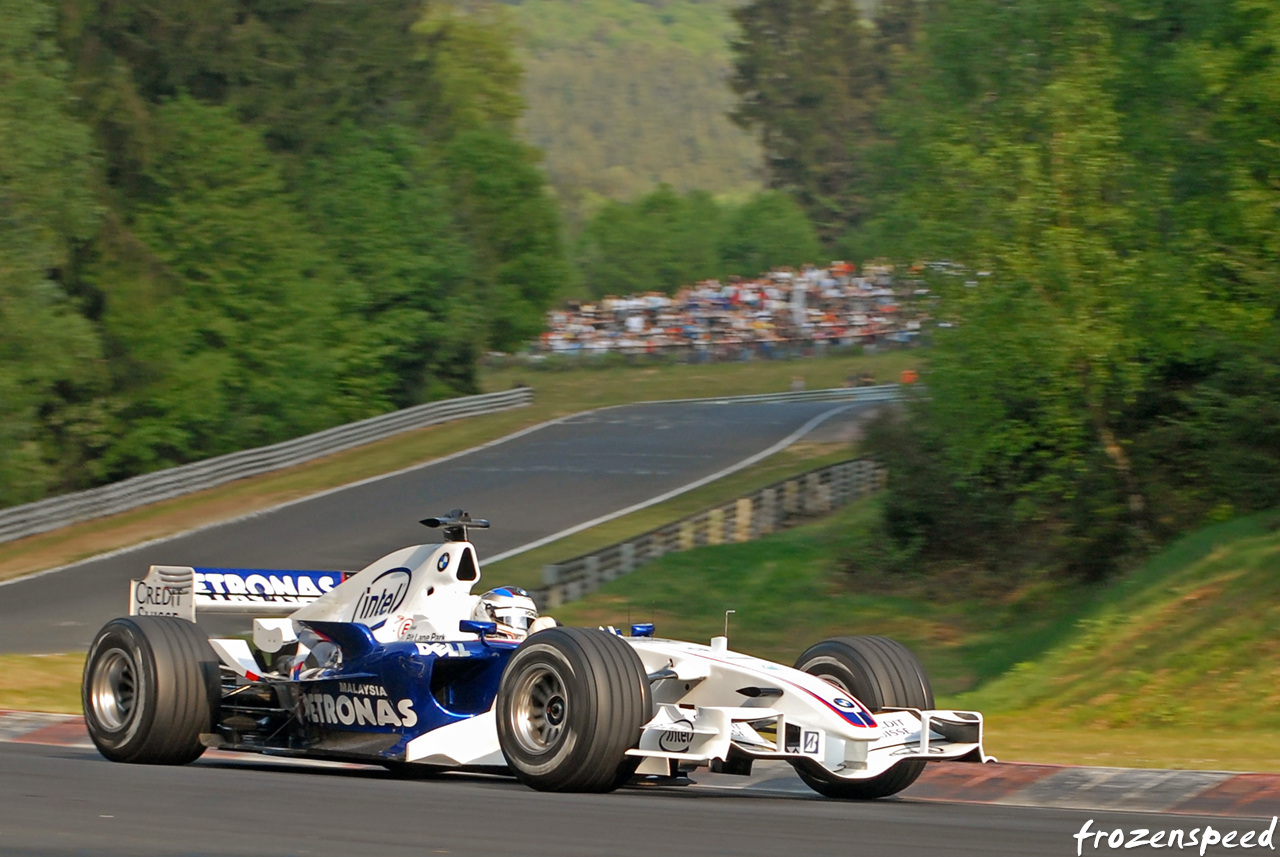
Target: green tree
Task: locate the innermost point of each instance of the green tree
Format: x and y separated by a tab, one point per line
659	242
664	240
513	230
475	78
381	204
767	231
1108	383
51	375
218	302
1028	394
808	76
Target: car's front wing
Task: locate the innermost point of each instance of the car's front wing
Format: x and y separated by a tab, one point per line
704	734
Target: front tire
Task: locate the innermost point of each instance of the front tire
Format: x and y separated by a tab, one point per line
572	701
881	673
151	687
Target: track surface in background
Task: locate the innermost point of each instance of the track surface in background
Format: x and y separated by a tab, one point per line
62	801
530	487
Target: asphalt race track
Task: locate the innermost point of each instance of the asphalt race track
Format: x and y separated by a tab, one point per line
530	487
57	801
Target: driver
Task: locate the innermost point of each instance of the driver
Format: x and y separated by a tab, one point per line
513	611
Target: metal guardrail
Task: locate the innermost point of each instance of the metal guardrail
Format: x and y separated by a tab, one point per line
44	515
882	393
767	510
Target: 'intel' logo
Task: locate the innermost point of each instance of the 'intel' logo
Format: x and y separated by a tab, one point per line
677	737
384	595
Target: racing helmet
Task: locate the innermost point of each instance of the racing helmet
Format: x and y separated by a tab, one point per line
510	607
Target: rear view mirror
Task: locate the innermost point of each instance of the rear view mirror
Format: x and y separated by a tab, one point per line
470	626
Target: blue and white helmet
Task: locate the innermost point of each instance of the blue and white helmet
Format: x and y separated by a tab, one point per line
510	607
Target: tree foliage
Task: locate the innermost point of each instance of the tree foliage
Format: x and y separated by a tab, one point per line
226	224
50	355
808	76
665	240
224	319
514	232
767	231
1110	378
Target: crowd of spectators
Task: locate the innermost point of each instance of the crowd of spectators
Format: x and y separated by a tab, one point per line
835	305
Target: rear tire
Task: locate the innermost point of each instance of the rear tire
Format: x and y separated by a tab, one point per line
880	673
572	701
151	687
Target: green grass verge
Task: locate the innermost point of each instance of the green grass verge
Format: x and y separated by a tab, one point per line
1191	639
1174	665
558	391
41	682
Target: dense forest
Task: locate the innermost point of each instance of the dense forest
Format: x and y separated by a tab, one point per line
625	95
1111	169
224	224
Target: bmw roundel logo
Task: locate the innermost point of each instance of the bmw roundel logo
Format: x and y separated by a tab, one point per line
841	702
443	562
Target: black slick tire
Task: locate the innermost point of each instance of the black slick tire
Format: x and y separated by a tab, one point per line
151	687
880	673
570	704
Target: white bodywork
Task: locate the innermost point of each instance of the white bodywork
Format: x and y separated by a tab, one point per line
419	594
701	715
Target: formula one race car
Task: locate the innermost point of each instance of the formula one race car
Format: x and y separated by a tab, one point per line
400	665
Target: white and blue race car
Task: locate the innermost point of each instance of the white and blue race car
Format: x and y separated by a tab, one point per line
390	666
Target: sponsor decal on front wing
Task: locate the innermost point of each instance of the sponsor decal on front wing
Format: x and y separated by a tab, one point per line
677	737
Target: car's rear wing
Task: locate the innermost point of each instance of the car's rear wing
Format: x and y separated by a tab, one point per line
170	590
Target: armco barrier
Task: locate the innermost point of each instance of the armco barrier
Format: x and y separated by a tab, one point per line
45	515
882	393
767	510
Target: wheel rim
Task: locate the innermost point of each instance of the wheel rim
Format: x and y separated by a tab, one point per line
821	668
114	691
540	710
832	680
